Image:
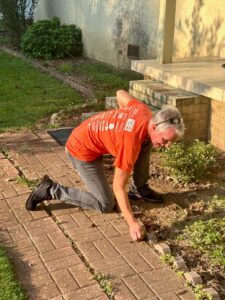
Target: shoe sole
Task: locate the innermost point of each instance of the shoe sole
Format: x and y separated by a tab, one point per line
138	198
29	200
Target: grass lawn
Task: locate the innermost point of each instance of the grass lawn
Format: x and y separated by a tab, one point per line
9	288
26	95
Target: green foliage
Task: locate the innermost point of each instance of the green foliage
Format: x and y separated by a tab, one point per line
209	238
9	288
31	183
50	39
17	15
189	162
168	259
200	294
105	284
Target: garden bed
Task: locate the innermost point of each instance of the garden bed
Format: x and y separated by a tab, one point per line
186	204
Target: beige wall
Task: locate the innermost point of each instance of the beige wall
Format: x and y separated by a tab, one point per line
109	26
199	29
217	124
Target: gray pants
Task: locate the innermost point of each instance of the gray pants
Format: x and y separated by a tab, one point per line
100	196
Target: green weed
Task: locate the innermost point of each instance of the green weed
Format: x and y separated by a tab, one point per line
31	183
105	284
208	237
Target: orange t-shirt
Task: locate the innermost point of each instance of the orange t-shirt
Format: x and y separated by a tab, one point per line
119	132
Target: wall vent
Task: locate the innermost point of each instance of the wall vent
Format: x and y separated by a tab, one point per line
133	51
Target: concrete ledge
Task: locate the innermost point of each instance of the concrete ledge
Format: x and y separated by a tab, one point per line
205	78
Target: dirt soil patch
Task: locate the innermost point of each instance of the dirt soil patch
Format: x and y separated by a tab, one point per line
185	204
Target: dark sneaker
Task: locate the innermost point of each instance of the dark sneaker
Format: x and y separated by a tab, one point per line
40	193
147	194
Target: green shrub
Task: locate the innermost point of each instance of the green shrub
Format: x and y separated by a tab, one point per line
189	162
50	39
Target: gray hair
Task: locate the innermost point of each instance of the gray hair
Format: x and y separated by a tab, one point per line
169	117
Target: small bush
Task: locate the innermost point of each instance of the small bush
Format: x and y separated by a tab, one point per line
189	162
50	39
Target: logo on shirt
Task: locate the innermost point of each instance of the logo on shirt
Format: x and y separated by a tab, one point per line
129	125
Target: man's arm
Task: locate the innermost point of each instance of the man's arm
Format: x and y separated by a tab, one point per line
123	98
119	187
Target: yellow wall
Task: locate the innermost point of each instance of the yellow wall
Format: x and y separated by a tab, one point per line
199	29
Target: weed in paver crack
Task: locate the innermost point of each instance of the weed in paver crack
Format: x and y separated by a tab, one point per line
105	283
31	183
5	150
102	279
24	149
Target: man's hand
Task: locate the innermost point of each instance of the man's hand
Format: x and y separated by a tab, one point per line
137	231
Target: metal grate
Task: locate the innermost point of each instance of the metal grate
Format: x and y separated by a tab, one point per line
133	51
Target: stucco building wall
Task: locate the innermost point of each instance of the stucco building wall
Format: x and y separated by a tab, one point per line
199	29
109	26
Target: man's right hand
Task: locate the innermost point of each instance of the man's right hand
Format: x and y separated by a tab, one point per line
137	231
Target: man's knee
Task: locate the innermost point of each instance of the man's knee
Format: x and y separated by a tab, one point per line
108	207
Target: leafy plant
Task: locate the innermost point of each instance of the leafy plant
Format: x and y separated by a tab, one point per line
50	39
31	183
208	237
105	284
17	15
168	259
189	162
200	294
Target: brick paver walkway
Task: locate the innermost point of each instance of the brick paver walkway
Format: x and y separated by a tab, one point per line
57	248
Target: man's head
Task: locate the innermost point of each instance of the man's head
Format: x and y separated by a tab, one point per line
166	127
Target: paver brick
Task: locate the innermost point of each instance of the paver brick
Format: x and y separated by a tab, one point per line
88	237
187	295
64	281
63	262
58	239
18	201
67	221
17	232
90	251
81	274
106	249
167	285
138	287
152	258
24	253
6	216
43	243
39	213
30	266
81	219
42	230
45	293
120	225
22	215
158	275
57	253
9	192
108	264
169	296
137	262
108	230
86	293
123	292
